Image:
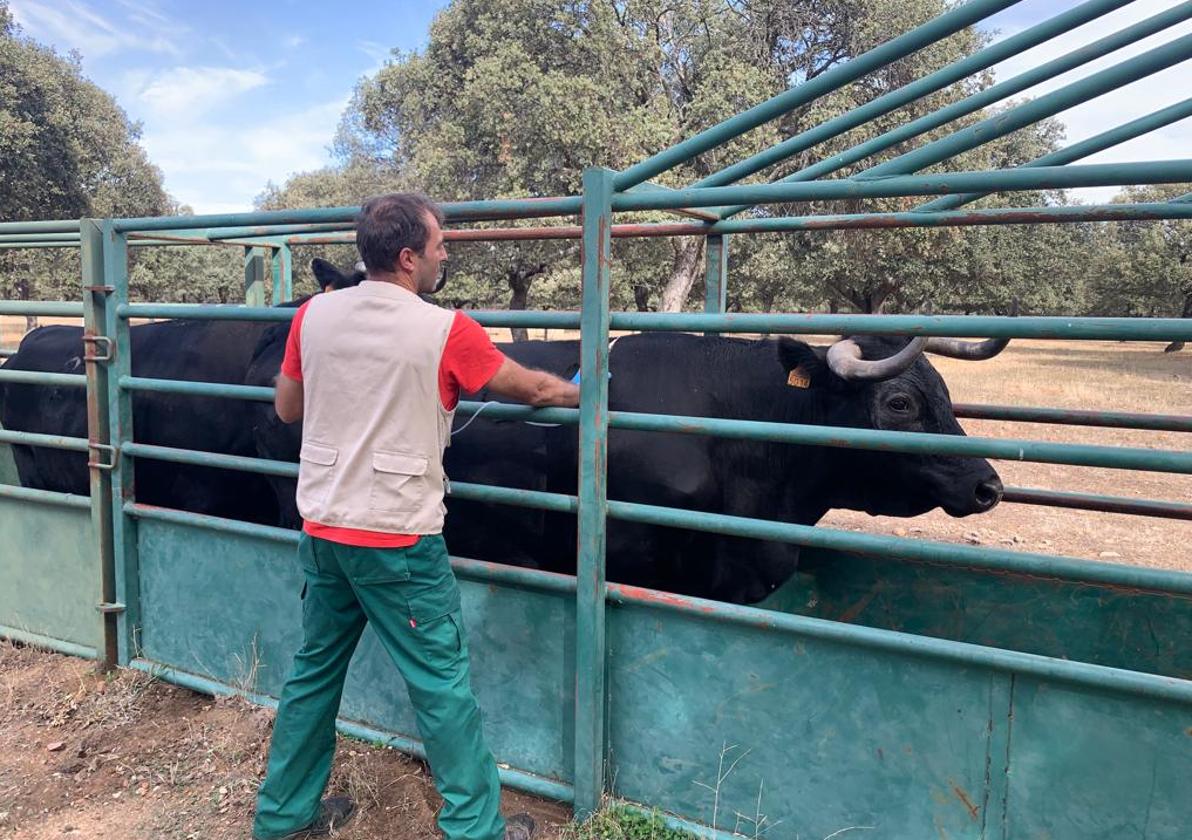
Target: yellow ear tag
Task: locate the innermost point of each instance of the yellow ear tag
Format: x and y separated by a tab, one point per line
798	378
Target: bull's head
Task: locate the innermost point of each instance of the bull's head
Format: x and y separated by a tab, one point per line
888	384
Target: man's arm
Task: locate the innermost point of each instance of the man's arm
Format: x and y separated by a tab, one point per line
534	387
287	401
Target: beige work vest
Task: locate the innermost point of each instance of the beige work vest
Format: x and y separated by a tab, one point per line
374	428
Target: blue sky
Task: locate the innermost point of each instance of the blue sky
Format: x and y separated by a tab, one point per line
234	95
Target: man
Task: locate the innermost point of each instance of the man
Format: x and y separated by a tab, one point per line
375	373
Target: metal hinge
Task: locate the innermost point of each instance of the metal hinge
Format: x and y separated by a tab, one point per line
104	448
107	607
100	290
109	348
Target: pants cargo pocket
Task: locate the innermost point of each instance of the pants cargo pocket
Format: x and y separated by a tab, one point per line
437	621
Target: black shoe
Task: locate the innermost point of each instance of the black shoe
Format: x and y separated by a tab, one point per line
334	812
519	827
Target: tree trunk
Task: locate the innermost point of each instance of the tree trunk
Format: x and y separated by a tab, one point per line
688	260
519	284
1176	346
23	293
641	298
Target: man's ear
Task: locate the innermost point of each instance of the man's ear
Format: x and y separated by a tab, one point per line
804	365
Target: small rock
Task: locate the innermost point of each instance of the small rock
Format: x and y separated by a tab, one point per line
900	532
55	746
1108	554
972	537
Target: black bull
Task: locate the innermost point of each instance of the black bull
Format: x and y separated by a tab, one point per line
781	380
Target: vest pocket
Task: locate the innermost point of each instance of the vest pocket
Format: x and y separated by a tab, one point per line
316	472
397	482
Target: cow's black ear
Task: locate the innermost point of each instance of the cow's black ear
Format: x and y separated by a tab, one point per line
327	275
804	365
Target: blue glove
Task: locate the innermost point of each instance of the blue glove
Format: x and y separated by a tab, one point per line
575	379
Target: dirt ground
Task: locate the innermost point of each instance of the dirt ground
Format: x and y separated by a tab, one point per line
130	757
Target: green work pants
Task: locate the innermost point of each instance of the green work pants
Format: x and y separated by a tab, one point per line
411	598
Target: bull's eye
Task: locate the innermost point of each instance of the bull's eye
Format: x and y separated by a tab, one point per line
901	405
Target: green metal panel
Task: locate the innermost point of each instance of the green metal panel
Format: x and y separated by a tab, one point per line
825	735
227	607
1097	767
8	467
716	274
1085	621
254	276
50	572
593	493
282	264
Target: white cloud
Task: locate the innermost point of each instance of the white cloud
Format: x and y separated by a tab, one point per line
222	168
192	90
293	42
1137	99
75	25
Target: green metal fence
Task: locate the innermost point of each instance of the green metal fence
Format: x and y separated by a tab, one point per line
912	687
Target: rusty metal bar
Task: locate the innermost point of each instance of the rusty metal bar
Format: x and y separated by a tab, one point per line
1074	417
1161	509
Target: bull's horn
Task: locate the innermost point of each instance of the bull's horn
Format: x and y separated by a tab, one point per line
844	359
973	351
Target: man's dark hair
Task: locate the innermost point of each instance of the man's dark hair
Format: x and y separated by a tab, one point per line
388	223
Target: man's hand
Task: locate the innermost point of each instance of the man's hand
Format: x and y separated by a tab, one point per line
534	387
287	401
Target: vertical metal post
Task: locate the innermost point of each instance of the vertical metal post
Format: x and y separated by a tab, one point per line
97	354
254	276
124	527
716	274
596	253
282	263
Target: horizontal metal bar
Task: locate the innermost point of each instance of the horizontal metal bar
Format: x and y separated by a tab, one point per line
44	497
954	72
16	246
49	441
941	183
453	211
38	377
903	45
1097	677
996	93
877	545
7	352
1159	508
52	308
197	389
1032	111
1074	417
1115	457
519	779
44	642
211	459
24	238
1077	151
1142	211
205	311
961	326
51	226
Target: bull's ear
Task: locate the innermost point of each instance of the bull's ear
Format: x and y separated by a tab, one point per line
805	368
326	275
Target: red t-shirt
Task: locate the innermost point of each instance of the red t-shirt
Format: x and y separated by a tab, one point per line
469	361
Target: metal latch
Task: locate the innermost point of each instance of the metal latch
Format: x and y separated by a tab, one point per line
102	448
108	607
99	341
101	290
